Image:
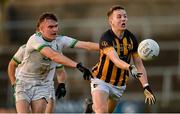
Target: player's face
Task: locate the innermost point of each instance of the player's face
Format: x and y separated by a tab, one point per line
118	19
49	29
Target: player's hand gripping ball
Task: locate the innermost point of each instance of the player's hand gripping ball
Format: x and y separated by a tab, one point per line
148	49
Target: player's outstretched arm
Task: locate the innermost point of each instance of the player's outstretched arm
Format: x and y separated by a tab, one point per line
149	96
57	57
111	53
61	59
90	46
140	67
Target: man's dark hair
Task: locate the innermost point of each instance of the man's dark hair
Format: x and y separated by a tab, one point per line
44	16
113	8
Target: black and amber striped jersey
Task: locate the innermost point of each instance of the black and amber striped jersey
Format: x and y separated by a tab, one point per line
105	69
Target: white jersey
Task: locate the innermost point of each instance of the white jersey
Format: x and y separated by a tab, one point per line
37	66
65	41
18	58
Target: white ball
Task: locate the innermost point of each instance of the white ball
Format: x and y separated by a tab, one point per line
148	49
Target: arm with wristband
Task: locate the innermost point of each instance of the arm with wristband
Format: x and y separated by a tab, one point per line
61	75
149	96
61	59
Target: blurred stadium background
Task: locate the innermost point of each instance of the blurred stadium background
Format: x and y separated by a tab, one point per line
86	20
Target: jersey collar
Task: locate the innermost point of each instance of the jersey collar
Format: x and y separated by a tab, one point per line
114	35
40	35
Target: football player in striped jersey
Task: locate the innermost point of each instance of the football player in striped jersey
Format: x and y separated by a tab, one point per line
117	46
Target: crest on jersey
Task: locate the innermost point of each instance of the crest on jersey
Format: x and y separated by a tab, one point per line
104	43
129	47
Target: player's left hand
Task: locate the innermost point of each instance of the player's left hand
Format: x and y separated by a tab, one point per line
149	96
61	90
87	74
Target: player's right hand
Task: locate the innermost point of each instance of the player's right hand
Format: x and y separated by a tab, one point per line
134	72
61	90
86	73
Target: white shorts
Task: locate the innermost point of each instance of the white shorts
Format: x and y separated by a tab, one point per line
31	91
115	92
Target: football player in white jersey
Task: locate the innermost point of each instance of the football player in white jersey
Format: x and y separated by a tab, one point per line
41	56
60	72
63	42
